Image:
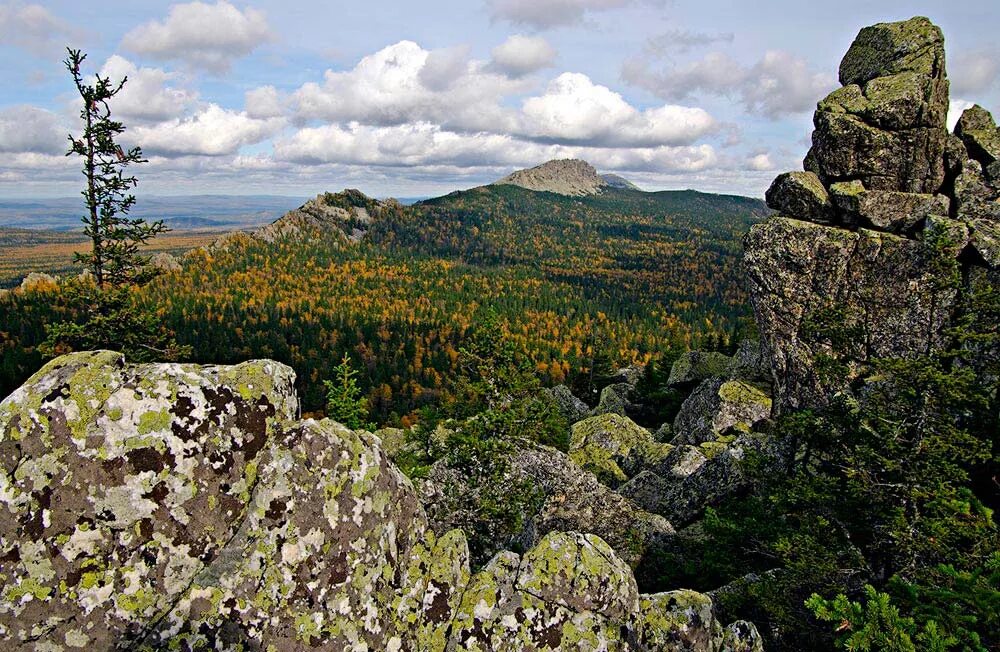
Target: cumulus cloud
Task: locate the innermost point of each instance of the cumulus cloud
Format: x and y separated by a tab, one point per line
975	72
29	129
575	110
264	102
146	96
212	131
424	144
760	162
543	14
778	84
442	68
522	55
395	86
34	28
209	36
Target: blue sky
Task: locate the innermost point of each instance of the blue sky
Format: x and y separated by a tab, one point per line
421	98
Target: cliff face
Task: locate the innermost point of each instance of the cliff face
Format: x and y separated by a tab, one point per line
887	196
162	506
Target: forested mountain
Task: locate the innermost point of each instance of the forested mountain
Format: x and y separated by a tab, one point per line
606	279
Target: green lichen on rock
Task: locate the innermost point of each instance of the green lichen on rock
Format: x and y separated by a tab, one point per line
204	515
613	447
915	45
695	366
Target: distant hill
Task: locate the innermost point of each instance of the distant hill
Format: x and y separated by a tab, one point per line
564	177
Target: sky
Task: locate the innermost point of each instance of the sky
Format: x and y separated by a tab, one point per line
421	98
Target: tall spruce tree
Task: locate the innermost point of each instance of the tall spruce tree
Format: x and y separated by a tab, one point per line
114	258
106	315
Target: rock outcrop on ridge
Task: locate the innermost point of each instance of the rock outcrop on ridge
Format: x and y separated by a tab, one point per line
170	506
887	196
564	177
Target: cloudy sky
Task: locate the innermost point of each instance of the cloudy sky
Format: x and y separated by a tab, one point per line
420	98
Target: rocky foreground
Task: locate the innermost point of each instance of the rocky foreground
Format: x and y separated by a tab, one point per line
183	506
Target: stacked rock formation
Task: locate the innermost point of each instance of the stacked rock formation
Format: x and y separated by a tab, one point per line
885	189
185	507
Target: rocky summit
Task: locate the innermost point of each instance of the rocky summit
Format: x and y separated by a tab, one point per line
564	177
169	506
887	196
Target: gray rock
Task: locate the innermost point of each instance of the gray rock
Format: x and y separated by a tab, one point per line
979	134
885	210
750	363
692	367
570	406
881	282
886	126
801	195
615	399
614	448
184	507
718	406
37	280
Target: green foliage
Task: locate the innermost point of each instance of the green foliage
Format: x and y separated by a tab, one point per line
108	319
877	626
344	401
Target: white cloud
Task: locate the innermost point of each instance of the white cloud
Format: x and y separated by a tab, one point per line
575	110
29	129
264	102
442	68
33	28
778	84
212	131
974	72
390	87
522	55
203	35
760	162
422	145
542	14
146	95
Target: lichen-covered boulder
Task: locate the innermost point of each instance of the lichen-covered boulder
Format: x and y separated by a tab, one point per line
569	499
742	636
613	447
801	194
885	210
615	399
692	367
979	134
718	406
569	405
750	363
886	126
179	506
682	498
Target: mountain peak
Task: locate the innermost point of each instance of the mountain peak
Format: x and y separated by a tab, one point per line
564	176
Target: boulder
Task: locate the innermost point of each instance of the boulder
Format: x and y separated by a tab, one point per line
718	406
683	499
885	210
750	363
613	447
979	134
569	499
570	406
886	126
169	506
38	281
802	195
615	399
692	367
882	285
